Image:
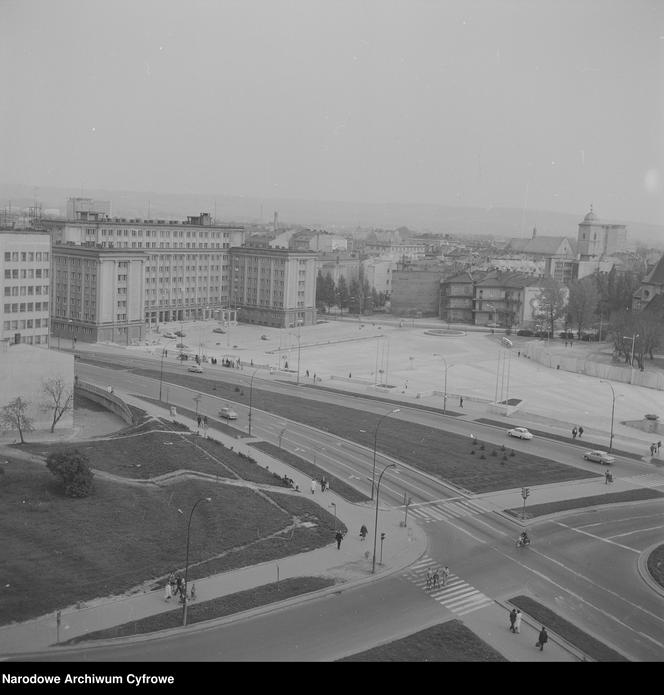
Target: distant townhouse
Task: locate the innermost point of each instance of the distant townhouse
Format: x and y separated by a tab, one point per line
651	291
507	299
457	297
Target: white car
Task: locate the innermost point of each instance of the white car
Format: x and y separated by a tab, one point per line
228	413
599	456
168	334
196	368
520	432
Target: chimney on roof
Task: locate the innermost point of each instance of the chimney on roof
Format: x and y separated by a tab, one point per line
534	232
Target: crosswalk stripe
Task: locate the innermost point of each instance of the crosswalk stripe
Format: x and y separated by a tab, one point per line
475	607
464	601
462	593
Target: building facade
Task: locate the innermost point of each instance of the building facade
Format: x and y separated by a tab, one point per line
597	239
274	287
25	286
186	266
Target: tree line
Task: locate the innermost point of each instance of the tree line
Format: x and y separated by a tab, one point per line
357	296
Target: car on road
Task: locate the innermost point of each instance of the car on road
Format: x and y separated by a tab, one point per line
180	334
168	334
520	432
228	413
196	368
218	330
599	456
264	337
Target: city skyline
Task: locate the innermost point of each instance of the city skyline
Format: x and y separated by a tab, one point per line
484	104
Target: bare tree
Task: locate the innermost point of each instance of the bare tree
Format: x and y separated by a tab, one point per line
59	398
14	416
582	303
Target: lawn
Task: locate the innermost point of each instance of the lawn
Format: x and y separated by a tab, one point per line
146	451
554	623
209	610
449	641
656	565
339	486
442	454
57	551
638	494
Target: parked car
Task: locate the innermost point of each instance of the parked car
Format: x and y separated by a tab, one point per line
196	368
264	337
180	334
520	432
168	334
599	457
218	330
525	332
228	413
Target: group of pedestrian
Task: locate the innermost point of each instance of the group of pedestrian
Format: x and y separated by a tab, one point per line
324	485
515	627
433	578
176	587
202	420
577	432
654	448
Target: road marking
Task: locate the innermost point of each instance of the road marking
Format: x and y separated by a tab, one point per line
641	530
566	590
615	521
599	538
456	595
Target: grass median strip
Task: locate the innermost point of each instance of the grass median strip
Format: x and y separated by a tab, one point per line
586	643
209	610
635	495
449	641
656	565
339	486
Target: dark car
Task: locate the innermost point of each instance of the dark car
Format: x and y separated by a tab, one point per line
525	332
180	334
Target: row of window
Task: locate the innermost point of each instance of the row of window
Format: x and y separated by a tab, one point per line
25	256
22	308
23	324
25	273
25	290
163	234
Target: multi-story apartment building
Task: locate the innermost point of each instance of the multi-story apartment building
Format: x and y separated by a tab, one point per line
25	267
98	294
457	297
506	299
185	268
274	287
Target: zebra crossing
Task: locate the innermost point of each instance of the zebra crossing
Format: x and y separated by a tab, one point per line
446	510
457	596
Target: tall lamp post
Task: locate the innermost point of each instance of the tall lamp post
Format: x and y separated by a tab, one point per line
373	470
251	392
186	565
613	410
631	362
161	371
373	566
299	326
445	382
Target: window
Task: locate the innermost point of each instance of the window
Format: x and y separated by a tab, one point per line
8	256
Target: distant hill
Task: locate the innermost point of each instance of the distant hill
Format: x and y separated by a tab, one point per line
497	222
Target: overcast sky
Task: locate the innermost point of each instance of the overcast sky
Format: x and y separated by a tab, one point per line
551	104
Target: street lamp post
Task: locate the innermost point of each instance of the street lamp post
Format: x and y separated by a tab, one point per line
373	566
299	326
373	470
445	383
251	392
161	371
613	410
631	362
333	504
186	566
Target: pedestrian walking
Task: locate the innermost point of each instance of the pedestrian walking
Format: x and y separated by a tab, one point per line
607	477
446	574
307	373
517	622
363	532
172	583
167	592
574	432
436	579
659	446
542	639
313	486
512	619
193	592
205	421
339	538
460	401
429	577
653	449
580	431
198	420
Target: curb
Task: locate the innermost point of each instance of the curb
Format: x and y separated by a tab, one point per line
644	573
553	636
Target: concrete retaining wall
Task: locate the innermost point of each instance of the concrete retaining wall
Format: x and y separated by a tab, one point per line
105	398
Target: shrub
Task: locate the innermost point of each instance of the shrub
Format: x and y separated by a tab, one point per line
493	453
73	469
